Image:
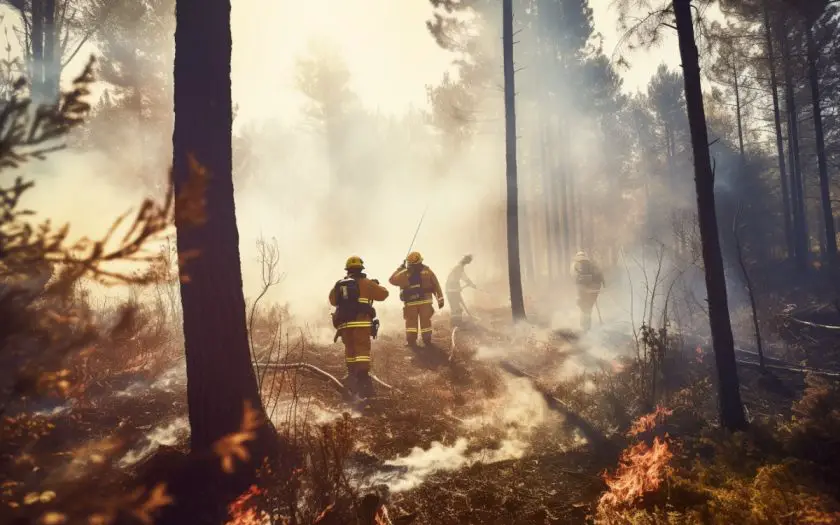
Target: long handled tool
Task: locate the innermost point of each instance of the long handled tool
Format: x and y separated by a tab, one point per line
419	224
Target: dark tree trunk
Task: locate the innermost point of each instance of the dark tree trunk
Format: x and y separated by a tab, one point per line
731	409
774	90
800	225
220	375
825	194
517	302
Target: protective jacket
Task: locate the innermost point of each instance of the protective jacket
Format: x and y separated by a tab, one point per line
418	284
361	317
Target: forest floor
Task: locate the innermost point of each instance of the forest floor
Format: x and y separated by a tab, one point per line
455	441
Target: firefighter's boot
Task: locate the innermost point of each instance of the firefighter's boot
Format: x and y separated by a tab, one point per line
364	385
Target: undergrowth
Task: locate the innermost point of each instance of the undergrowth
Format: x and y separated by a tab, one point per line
779	471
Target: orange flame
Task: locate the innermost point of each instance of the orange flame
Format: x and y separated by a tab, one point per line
649	421
242	510
641	470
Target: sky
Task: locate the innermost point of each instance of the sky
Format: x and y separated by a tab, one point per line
389	51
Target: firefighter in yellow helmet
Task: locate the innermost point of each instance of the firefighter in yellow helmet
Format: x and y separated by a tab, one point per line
355	321
418	284
589	281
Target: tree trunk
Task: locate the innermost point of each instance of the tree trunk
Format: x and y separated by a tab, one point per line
731	409
37	59
738	116
800	224
825	194
220	375
51	59
565	212
517	303
550	199
774	90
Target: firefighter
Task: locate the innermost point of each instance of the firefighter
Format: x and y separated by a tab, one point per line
454	287
589	281
355	321
418	284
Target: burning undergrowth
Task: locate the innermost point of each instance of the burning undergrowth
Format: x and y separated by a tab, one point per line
498	429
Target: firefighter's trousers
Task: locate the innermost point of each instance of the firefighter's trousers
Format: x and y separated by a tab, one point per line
357	355
421	311
586	300
456	312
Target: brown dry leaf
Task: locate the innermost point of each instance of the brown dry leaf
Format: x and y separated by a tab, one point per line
47	496
31	498
53	518
232	445
158	498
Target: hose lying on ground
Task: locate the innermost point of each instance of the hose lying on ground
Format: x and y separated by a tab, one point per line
318	372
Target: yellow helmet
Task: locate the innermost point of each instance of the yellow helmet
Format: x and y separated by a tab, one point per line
354	262
414	258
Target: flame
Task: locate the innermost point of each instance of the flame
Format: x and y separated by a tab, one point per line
243	510
641	470
649	421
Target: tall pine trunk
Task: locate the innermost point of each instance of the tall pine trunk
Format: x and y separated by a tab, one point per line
731	409
777	120
738	116
517	302
800	224
220	377
52	68
37	59
825	194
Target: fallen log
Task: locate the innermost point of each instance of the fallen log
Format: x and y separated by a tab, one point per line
787	367
593	435
809	323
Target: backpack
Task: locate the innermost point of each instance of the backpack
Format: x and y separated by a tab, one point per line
415	290
347	301
584	272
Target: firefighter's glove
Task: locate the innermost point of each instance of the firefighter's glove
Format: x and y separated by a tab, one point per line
440	303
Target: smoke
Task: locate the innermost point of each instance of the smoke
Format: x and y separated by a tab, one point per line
512	418
168	434
350	171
